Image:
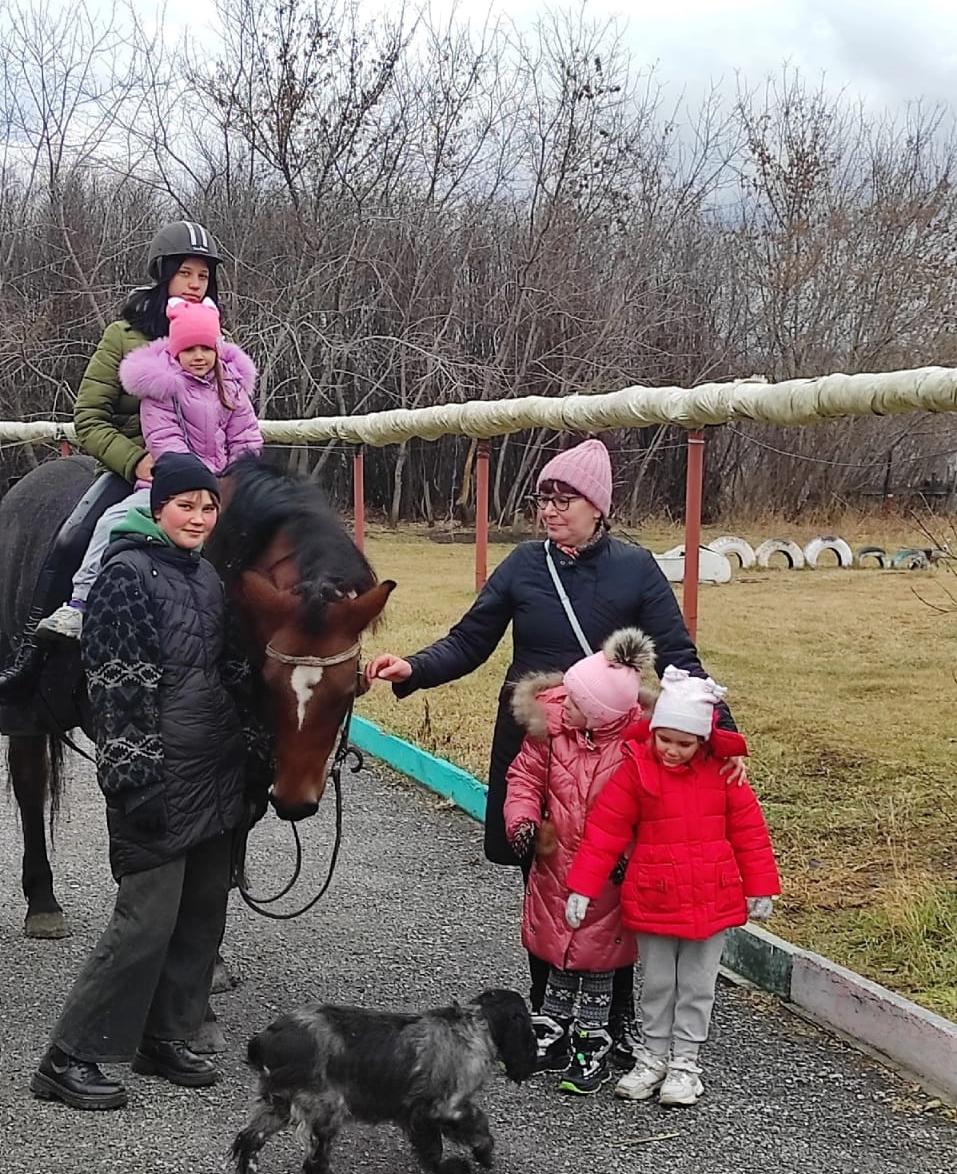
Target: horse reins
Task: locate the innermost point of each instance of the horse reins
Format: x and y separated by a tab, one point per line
343	751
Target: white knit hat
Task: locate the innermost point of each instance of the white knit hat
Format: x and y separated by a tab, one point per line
686	703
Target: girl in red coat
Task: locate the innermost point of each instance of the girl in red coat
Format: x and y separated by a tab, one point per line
572	748
702	862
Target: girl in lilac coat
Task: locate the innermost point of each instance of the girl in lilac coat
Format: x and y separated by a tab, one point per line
573	746
195	389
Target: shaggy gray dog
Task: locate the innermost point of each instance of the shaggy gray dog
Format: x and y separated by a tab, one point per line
321	1064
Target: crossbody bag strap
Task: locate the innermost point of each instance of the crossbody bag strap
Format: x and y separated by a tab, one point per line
566	603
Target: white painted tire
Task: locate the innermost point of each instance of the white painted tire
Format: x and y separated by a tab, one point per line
728	545
878	553
712	566
791	551
910	559
814	549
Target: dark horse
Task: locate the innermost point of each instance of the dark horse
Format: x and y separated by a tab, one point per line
304	594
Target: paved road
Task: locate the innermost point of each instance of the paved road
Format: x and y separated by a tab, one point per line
414	918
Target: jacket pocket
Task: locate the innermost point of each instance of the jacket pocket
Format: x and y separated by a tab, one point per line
729	890
657	888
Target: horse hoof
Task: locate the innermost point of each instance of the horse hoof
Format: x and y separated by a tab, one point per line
222	979
46	925
209	1040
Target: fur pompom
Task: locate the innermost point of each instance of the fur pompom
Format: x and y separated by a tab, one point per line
632	648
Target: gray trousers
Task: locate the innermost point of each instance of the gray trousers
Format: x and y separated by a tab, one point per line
677	993
85	577
151	970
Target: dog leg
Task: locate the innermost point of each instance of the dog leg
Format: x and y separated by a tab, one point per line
268	1118
471	1128
324	1119
425	1136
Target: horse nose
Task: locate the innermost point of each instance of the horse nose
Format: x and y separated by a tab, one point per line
293	811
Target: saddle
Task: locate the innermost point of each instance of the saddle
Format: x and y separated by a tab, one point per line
18	681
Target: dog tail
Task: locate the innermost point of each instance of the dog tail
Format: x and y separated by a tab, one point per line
285	1053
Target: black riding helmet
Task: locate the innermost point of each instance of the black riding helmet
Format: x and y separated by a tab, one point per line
181	238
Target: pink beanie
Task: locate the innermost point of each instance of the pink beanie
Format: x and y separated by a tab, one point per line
192	324
686	703
587	468
605	685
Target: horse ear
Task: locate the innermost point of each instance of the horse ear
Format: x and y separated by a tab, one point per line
357	614
260	594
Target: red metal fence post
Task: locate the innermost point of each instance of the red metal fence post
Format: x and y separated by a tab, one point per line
481	513
694	487
359	497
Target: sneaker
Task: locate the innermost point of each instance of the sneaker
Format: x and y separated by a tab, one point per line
682	1085
589	1068
66	623
644	1078
554	1043
626	1040
77	1083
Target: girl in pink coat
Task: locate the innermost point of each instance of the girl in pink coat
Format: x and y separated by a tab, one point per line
572	748
700	862
195	389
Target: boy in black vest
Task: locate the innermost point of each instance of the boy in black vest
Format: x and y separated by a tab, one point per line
170	762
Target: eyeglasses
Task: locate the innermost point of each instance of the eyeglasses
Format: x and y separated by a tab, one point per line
561	503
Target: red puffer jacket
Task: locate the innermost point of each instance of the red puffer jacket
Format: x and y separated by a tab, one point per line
558	775
701	845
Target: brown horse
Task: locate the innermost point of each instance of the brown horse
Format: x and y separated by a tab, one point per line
303	592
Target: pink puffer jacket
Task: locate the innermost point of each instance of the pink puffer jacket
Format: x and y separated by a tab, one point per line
557	775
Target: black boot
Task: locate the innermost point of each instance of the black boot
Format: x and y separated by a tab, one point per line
77	1083
554	1043
626	1038
622	1023
174	1060
589	1067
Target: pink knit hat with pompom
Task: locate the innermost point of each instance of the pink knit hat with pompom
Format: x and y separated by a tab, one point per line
605	685
586	468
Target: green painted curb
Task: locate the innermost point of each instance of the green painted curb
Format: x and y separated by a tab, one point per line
435	773
761	958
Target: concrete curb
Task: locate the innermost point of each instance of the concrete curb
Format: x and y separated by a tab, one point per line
909	1038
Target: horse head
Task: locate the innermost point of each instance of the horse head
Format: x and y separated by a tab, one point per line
311	674
306	594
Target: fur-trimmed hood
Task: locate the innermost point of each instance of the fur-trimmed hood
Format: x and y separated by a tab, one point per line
151	372
533	700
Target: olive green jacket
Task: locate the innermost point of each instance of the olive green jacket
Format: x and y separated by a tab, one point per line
107	420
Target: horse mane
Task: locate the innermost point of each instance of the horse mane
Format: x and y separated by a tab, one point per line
265	501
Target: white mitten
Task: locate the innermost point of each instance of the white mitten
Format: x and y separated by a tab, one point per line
760	908
575	909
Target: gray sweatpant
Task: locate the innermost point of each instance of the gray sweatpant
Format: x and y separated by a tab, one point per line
150	972
85	577
677	994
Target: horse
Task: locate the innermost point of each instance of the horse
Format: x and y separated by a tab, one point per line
300	589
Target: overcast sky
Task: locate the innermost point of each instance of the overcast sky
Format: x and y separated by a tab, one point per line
887	51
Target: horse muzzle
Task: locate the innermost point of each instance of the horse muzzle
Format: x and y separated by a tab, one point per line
293	812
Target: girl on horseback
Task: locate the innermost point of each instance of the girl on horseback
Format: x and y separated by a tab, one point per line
182	262
195	394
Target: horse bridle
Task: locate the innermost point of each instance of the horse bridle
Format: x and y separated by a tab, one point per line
343	751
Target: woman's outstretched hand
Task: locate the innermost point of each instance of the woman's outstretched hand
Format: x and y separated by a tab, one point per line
386	667
735	770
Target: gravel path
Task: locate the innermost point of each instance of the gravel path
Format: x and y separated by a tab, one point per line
414	918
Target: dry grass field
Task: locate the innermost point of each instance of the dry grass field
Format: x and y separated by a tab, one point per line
844	682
